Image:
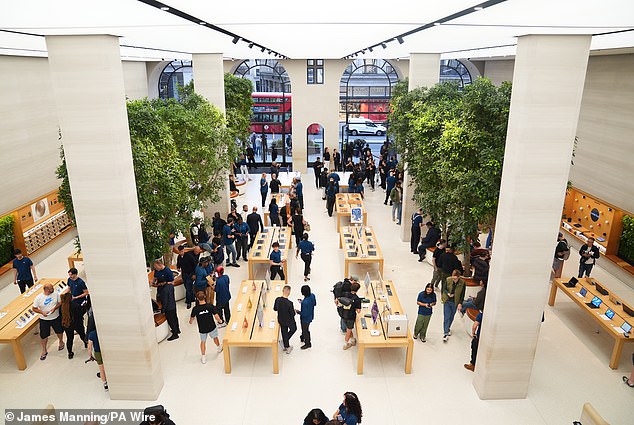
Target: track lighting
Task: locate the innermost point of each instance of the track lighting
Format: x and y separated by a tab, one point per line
400	40
235	40
384	45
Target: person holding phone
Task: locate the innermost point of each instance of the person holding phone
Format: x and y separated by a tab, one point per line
426	301
349	412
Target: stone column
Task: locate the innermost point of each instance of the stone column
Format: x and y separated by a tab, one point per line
87	79
209	82
424	71
547	88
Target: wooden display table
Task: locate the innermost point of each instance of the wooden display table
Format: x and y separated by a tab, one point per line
357	250
344	203
286	178
253	336
10	333
365	339
282	199
610	326
263	246
73	258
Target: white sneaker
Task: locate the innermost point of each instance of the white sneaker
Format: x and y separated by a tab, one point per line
222	325
423	340
289	349
445	338
347	345
449	332
203	359
219	349
415	336
353	341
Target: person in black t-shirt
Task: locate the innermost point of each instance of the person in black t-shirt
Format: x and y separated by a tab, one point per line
205	315
275	184
186	264
286	318
440	249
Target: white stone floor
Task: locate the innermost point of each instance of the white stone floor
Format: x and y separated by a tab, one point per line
571	362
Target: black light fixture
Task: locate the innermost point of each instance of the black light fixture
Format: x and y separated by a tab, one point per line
250	45
384	45
370	48
235	40
400	40
263	49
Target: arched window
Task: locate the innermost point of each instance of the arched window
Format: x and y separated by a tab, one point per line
176	73
454	70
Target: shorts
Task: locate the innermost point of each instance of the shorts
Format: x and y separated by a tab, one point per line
45	327
98	358
349	323
213	334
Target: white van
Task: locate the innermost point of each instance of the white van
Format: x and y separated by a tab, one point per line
364	126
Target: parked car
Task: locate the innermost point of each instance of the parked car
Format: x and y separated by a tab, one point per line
364	126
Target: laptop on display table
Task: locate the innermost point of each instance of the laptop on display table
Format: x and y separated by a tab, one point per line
609	314
595	303
627	328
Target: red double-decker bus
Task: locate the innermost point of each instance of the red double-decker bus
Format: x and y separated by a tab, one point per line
272	114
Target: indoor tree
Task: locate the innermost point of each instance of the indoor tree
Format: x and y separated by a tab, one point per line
238	103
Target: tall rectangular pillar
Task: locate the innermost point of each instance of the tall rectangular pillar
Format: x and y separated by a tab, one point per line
87	79
547	88
209	82
424	71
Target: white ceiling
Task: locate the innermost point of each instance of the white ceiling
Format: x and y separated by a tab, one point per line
304	29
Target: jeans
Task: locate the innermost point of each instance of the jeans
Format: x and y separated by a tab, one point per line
305	336
275	270
306	258
585	268
422	322
189	288
223	312
342	325
467	304
398	208
287	332
242	246
449	310
231	249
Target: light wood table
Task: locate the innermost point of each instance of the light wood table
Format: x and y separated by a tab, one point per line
609	326
286	178
263	246
358	250
253	336
344	202
10	333
73	258
282	199
378	292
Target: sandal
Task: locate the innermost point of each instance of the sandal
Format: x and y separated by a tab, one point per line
43	357
626	380
60	348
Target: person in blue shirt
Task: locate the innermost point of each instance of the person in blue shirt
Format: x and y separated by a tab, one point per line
359	188
299	191
306	315
223	295
349	412
475	331
352	182
426	301
274	213
306	248
334	176
242	238
228	237
201	282
417	224
79	293
264	188
94	351
24	274
332	188
390	182
164	281
276	262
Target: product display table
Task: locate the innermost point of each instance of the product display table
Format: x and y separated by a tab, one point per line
263	246
376	334
244	328
282	199
360	245
18	309
613	327
286	178
344	202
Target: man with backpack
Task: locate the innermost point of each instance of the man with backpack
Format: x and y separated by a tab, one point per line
348	306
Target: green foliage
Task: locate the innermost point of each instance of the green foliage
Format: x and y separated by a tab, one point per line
452	142
626	244
238	103
6	239
64	189
180	152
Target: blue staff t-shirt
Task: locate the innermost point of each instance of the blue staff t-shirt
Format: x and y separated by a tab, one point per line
77	286
226	231
164	275
222	290
306	247
425	298
276	256
24	268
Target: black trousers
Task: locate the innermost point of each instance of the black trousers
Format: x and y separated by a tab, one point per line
317	185
78	320
251	162
224	312
415	239
305	336
252	237
287	332
330	204
275	270
306	258
172	321
474	349
387	195
70	338
242	247
383	180
371	178
23	284
263	198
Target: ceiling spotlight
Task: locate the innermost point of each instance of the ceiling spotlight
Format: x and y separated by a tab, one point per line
250	45
477	8
370	48
400	40
263	49
235	40
384	45
165	8
202	23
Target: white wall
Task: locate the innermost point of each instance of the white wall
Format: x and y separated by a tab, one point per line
135	80
499	70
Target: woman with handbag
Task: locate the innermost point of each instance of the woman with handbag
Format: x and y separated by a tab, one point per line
306	248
